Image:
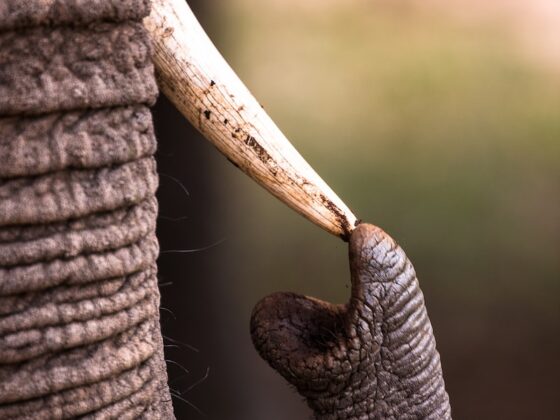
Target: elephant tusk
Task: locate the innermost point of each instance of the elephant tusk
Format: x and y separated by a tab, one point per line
196	78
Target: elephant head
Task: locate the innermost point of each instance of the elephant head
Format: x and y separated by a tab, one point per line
79	321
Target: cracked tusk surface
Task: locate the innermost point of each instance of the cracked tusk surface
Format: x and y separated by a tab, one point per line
197	79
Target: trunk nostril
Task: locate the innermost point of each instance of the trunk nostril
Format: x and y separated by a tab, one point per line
302	338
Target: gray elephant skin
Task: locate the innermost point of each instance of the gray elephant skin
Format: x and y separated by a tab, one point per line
79	303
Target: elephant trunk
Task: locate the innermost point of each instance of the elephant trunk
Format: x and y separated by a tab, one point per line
79	319
374	357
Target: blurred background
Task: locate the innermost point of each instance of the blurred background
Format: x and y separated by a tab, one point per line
438	121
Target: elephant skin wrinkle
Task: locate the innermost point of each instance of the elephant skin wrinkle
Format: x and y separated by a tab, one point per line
373	358
85	139
82	269
17	14
65	293
63	308
71	194
79	303
49	327
139	223
70	403
79	366
57	69
90	222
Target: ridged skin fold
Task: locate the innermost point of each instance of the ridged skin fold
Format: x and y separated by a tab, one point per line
79	302
373	358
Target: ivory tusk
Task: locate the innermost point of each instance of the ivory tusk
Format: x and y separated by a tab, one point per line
197	79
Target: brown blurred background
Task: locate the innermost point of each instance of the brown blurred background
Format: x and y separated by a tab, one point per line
438	121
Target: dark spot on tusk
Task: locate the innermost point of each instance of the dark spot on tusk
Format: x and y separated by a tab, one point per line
259	150
340	217
212	83
207	114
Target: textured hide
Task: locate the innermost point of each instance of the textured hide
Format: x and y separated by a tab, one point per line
79	321
373	358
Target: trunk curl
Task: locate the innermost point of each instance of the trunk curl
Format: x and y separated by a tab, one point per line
373	358
79	321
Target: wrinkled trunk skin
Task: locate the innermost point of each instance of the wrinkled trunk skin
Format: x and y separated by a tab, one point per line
79	321
374	358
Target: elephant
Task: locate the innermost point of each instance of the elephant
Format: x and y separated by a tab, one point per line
374	357
80	332
79	296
